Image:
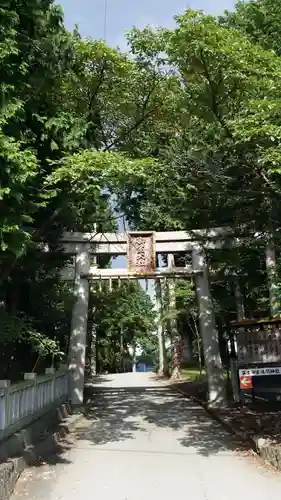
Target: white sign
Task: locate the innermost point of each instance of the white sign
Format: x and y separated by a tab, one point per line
260	372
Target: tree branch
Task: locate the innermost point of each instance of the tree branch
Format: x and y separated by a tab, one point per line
214	91
143	116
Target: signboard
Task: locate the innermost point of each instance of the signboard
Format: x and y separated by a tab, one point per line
259	343
141	253
246	382
260	372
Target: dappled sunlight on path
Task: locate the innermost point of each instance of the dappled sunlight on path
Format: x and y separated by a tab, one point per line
144	439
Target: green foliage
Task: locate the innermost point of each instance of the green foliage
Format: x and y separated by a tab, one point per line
28	38
259	20
118	103
16	329
182	134
36	50
210	161
221	165
123	320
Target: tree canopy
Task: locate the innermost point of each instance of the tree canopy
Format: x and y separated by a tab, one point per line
123	321
181	132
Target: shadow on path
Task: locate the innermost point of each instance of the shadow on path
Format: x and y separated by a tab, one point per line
120	413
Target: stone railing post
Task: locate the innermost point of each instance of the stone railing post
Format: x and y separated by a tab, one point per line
4	403
51	371
34	396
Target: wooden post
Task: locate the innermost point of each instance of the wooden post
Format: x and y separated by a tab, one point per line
234	379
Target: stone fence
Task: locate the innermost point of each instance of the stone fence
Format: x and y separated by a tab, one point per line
26	401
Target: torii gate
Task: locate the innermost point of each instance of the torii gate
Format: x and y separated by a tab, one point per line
141	249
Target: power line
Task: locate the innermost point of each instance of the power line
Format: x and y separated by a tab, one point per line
105	20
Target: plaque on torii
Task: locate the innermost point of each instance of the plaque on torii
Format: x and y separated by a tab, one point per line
141	252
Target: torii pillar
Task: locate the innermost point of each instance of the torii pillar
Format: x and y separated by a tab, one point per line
163	366
214	369
78	336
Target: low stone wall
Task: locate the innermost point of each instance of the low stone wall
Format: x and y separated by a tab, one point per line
269	452
9	474
26	446
23	402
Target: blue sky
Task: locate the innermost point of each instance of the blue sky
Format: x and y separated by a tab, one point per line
123	14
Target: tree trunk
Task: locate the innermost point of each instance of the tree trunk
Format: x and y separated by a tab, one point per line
271	269
198	343
240	307
187	354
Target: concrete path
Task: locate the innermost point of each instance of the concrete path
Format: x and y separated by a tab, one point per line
149	443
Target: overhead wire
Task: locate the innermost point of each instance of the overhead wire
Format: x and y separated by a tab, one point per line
105	20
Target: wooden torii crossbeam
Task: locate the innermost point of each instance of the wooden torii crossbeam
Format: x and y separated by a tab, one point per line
164	242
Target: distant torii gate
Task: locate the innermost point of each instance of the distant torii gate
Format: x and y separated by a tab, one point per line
141	249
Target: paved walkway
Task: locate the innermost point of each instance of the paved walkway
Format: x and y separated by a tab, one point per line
149	443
